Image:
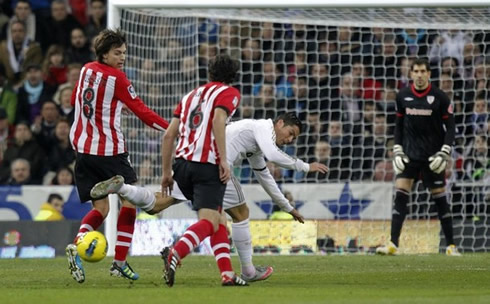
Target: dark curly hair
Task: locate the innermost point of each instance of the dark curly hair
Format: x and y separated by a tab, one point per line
223	68
106	40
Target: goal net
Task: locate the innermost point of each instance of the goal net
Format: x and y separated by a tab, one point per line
339	69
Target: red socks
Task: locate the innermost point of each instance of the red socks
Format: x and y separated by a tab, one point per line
192	237
221	249
90	222
125	229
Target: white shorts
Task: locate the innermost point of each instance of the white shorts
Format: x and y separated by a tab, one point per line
233	194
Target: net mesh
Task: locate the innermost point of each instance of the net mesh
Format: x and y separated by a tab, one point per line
339	70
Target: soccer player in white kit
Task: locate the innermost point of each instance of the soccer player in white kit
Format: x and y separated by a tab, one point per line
255	140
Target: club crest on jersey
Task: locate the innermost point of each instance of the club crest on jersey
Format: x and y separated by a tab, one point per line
430	99
131	91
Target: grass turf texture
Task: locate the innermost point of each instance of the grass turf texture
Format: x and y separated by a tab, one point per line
296	279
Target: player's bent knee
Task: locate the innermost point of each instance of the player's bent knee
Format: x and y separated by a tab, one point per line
239	213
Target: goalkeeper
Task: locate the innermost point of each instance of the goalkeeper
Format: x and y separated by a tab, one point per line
424	133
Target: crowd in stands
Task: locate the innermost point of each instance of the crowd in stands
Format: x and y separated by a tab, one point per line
43	46
341	81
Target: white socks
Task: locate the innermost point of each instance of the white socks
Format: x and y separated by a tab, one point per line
138	196
240	233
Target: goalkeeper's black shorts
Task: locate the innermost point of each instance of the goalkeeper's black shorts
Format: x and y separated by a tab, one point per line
419	170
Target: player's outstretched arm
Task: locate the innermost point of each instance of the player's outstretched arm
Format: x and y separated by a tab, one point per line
274	154
125	93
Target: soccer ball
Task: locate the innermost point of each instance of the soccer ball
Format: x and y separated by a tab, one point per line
92	246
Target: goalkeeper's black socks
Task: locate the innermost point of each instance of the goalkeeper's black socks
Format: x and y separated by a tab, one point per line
444	216
400	211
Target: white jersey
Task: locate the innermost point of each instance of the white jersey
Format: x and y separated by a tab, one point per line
256	141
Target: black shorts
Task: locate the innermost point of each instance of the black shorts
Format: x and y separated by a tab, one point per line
91	169
420	170
200	183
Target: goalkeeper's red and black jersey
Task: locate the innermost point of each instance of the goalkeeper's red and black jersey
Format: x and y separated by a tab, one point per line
424	122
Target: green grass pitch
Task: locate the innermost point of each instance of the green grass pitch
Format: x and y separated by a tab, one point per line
297	279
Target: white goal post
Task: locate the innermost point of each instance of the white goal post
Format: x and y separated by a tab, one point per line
164	37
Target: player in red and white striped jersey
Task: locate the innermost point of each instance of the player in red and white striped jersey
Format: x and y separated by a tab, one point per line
201	169
99	97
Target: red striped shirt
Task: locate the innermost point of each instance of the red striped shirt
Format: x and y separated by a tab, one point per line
98	99
196	113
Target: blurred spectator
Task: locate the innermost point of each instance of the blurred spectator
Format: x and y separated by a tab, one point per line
79	49
24	146
72	80
414	41
480	119
386	63
298	102
66	109
373	149
315	130
404	73
451	67
472	57
449	43
322	153
6	132
349	40
8	97
44	125
347	108
64	177
369	88
383	171
272	75
79	10
32	95
206	52
251	70
60	23
477	163
299	67
54	66
319	86
97	18
229	40
265	103
20	173
52	209
36	27
18	52
340	156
